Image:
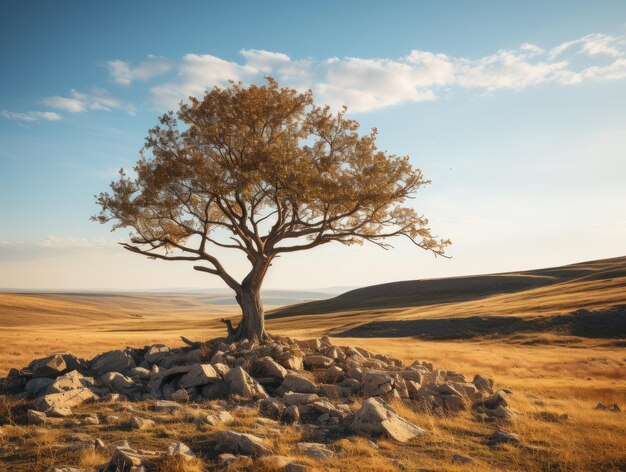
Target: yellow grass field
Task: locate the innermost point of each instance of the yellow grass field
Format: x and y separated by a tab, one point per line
556	378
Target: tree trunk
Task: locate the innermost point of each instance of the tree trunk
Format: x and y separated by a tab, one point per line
252	324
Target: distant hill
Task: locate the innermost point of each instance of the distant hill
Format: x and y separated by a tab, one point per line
594	285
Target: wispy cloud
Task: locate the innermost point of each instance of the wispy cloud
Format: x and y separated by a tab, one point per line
54	246
31	115
78	102
125	73
592	45
365	84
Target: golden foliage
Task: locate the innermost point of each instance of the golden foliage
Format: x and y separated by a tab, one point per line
262	170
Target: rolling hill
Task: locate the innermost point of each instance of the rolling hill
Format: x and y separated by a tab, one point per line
479	304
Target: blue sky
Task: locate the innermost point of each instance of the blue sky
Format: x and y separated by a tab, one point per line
515	110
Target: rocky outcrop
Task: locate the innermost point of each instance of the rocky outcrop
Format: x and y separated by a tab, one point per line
323	390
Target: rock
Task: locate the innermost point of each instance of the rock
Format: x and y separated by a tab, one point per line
334	392
241	443
180	450
297	383
225	460
121	444
90	420
156	352
290	361
118	382
271	408
377	417
314	450
452	403
36	417
313	345
502	412
218	418
112	361
500	436
127	459
199	374
221	369
333	375
139	423
37	386
459	459
59	412
295	467
166	405
240	383
299	398
377	384
493	401
335	353
615	408
351	385
291	415
269	370
67	399
115	398
70	381
215	390
15	381
140	373
413	389
51	366
111	419
180	395
448	389
317	361
355	373
601	406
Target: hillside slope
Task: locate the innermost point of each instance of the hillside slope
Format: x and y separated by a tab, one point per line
594	285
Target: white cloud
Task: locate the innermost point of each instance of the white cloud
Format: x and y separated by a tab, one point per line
125	73
592	45
365	84
31	115
78	102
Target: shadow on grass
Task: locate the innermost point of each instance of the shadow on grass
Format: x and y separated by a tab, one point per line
608	324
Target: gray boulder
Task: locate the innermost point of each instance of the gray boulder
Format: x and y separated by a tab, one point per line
66	399
51	366
199	374
112	361
314	450
377	417
297	383
241	443
156	352
240	383
180	450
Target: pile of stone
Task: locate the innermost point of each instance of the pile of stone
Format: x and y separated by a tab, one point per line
309	382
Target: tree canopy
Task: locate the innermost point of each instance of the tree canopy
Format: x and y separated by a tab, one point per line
265	171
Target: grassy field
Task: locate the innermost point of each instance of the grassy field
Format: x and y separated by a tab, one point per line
557	378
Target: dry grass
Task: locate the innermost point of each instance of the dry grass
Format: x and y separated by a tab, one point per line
556	380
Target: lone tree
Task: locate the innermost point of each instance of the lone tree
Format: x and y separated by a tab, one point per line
264	171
